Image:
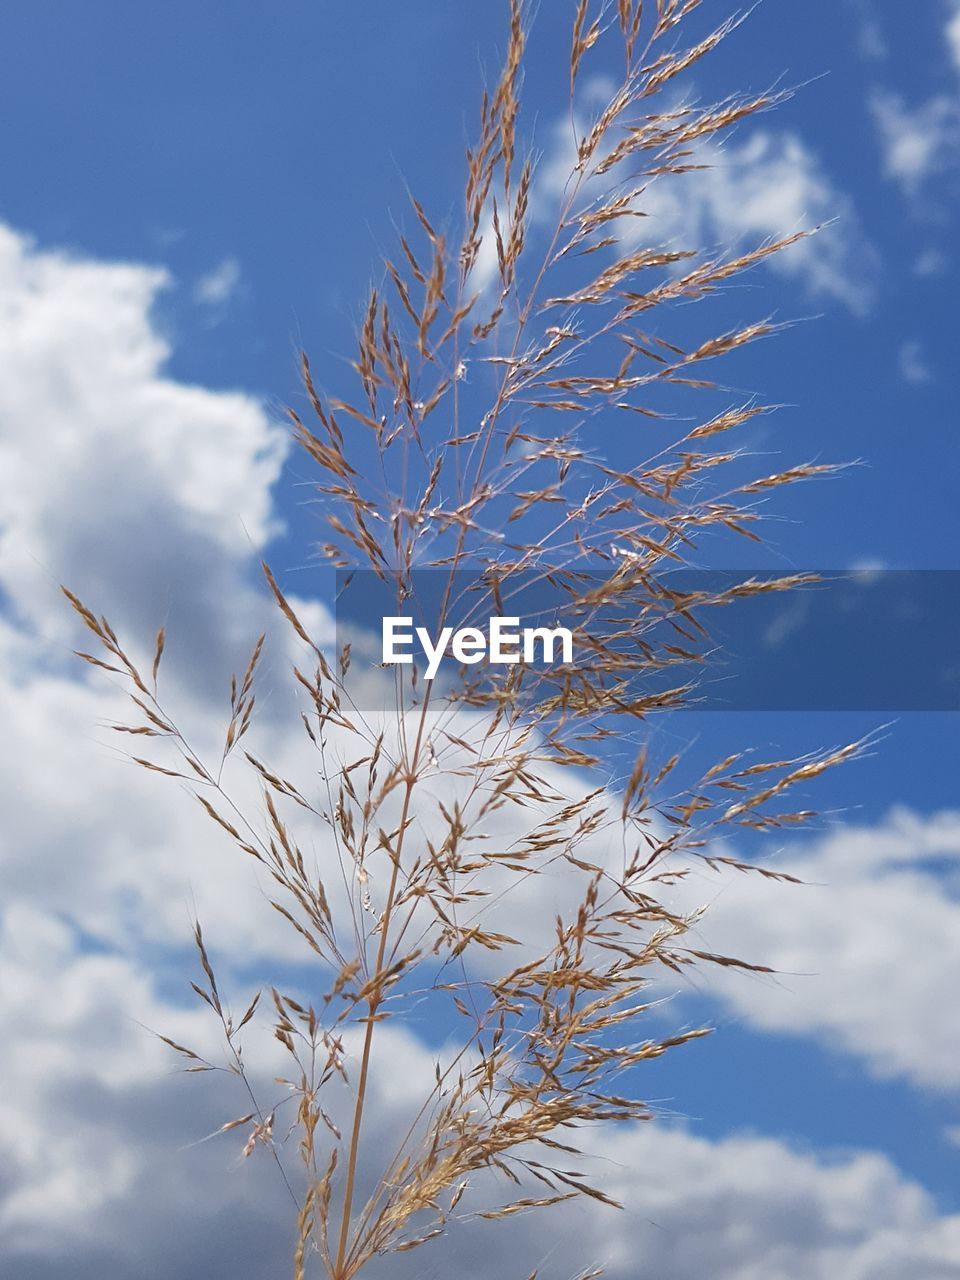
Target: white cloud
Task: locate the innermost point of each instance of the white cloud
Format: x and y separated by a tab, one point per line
931	262
866	951
100	1133
740	1209
917	142
486	268
953	33
218	286
913	367
150	498
766	187
921	141
94	836
102	1171
871	41
133	488
136	489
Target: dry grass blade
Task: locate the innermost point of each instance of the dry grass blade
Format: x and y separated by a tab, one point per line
469	442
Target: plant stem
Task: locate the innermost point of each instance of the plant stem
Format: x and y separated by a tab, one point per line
338	1270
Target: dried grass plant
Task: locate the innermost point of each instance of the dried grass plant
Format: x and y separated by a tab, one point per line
474	442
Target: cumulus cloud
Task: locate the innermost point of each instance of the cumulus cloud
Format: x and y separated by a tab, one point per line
151	497
144	492
866	950
740	1209
104	1173
106	1169
125	860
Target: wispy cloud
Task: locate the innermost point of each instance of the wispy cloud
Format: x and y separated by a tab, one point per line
766	187
921	140
953	32
917	142
931	262
913	367
871	41
218	286
735	196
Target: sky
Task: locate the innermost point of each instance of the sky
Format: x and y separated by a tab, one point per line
189	195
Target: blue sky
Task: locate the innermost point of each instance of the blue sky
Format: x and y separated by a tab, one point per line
189	194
